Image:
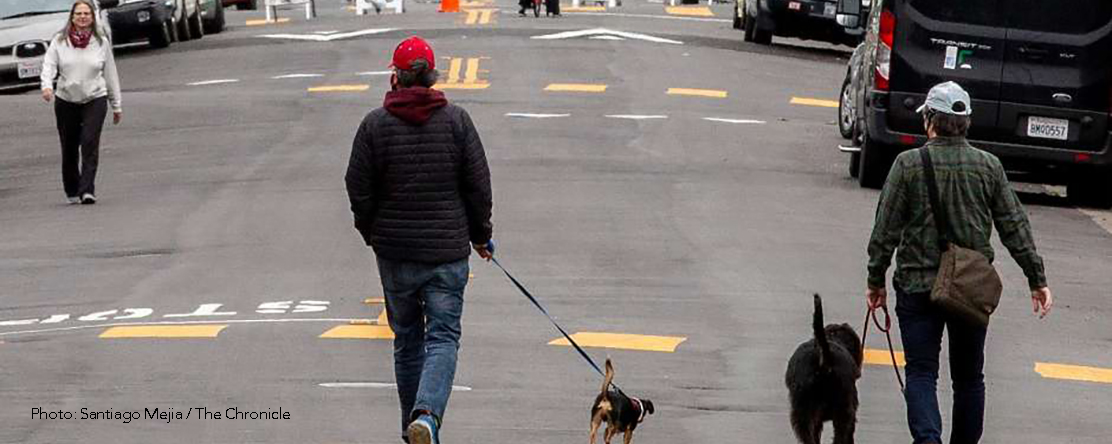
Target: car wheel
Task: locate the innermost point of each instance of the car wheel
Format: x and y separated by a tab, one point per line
1091	189
847	111
217	24
738	23
183	27
161	37
873	162
196	27
760	36
749	24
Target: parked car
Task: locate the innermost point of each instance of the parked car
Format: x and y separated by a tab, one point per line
1040	77
242	4
151	20
26	28
804	19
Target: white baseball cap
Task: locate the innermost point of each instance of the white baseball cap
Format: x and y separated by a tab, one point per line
948	98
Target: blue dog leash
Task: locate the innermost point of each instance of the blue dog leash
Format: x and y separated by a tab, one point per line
490	247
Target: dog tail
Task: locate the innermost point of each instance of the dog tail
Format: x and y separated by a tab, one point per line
820	333
608	379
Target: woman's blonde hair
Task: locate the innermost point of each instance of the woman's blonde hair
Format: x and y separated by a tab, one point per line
97	31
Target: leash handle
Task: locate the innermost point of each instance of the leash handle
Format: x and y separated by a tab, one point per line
887	329
540	307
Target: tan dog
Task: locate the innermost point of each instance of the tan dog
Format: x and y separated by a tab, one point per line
622	413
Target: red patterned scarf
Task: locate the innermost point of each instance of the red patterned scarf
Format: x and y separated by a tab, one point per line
80	39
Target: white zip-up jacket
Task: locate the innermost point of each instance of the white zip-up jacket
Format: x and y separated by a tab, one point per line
83	74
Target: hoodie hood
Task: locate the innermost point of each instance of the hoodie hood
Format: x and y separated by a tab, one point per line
414	105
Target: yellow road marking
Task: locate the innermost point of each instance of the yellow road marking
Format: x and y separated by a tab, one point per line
382	319
697	92
263	22
479	16
370	301
163	331
814	102
575	87
468	80
665	344
689	11
585	9
1074	372
881	357
359	332
339	88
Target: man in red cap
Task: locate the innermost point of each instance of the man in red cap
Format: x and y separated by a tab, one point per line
419	187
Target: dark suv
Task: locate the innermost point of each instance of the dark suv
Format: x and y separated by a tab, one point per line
1039	73
804	19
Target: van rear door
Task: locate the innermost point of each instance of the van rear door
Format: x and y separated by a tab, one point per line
944	40
1057	77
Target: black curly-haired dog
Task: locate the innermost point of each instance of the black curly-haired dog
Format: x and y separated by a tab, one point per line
822	381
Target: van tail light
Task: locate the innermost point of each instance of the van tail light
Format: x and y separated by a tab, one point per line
884	49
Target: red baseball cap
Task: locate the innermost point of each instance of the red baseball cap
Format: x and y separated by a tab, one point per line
412	49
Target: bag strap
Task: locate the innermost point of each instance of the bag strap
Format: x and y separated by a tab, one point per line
936	206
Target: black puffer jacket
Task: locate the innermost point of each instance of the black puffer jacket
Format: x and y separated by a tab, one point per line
418	179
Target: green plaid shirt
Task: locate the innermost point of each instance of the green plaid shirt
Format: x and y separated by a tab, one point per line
974	189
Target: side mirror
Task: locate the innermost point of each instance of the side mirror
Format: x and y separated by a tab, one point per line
849	13
108	4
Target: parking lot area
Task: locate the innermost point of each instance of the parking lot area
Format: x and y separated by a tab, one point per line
669	186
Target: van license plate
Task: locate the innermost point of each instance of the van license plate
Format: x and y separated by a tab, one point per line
1047	128
795	6
30	69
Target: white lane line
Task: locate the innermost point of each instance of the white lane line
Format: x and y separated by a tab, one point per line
536	116
213	82
721	120
210	321
380	385
327	38
605	32
635	116
663	17
297	76
375	73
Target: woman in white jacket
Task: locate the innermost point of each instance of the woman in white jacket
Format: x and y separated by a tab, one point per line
80	72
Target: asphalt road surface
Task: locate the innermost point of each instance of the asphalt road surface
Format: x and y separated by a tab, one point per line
674	197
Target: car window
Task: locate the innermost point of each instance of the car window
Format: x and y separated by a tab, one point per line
1060	16
15	7
973	12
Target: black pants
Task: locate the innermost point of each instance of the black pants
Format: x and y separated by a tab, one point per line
922	325
79	127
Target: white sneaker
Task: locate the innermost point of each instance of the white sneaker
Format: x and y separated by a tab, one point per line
73	200
88	199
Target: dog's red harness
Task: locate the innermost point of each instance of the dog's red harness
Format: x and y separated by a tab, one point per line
641	407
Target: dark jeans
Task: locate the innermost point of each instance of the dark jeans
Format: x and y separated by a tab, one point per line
424	303
79	127
921	326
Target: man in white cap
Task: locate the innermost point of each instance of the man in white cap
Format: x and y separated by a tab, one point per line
974	194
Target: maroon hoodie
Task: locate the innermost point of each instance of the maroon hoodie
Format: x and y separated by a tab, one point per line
414	105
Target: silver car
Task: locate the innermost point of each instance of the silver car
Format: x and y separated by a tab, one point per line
26	27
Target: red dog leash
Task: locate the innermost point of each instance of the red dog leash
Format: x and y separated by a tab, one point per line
887	329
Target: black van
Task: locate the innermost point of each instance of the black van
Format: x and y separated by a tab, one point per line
1039	73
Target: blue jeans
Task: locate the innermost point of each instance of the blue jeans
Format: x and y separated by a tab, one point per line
921	327
424	303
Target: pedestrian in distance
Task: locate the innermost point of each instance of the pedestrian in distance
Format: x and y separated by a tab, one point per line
420	193
79	76
974	195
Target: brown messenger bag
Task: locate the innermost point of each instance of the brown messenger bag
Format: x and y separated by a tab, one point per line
967	286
